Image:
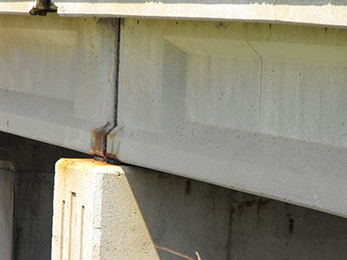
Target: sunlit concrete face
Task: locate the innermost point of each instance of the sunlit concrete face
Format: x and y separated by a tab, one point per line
104	211
318	12
253	107
96	215
57	77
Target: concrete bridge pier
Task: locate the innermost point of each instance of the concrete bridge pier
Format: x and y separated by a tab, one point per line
7	186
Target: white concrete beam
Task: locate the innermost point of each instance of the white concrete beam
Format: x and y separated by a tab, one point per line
324	13
7	7
254	107
57	78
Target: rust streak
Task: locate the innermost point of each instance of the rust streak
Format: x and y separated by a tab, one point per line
111	154
98	141
261	206
188	188
243	205
291	226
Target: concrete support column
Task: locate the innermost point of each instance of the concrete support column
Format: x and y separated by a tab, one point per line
7	180
96	215
104	211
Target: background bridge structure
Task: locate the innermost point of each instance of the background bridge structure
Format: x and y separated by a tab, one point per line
240	105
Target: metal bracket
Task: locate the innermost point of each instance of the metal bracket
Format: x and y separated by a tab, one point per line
42	7
99	144
99	136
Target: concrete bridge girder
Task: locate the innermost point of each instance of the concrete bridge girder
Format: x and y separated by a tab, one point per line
253	107
57	78
323	12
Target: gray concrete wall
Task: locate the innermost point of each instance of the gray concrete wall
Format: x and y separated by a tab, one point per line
187	216
7	182
34	199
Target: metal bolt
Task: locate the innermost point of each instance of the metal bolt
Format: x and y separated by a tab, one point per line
42	7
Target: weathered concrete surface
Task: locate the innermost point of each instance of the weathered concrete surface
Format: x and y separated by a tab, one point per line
96	215
34	194
131	213
7	185
254	107
15	7
268	229
181	214
109	212
57	78
139	208
320	12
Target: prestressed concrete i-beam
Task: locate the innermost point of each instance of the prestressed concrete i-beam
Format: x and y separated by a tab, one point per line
248	106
